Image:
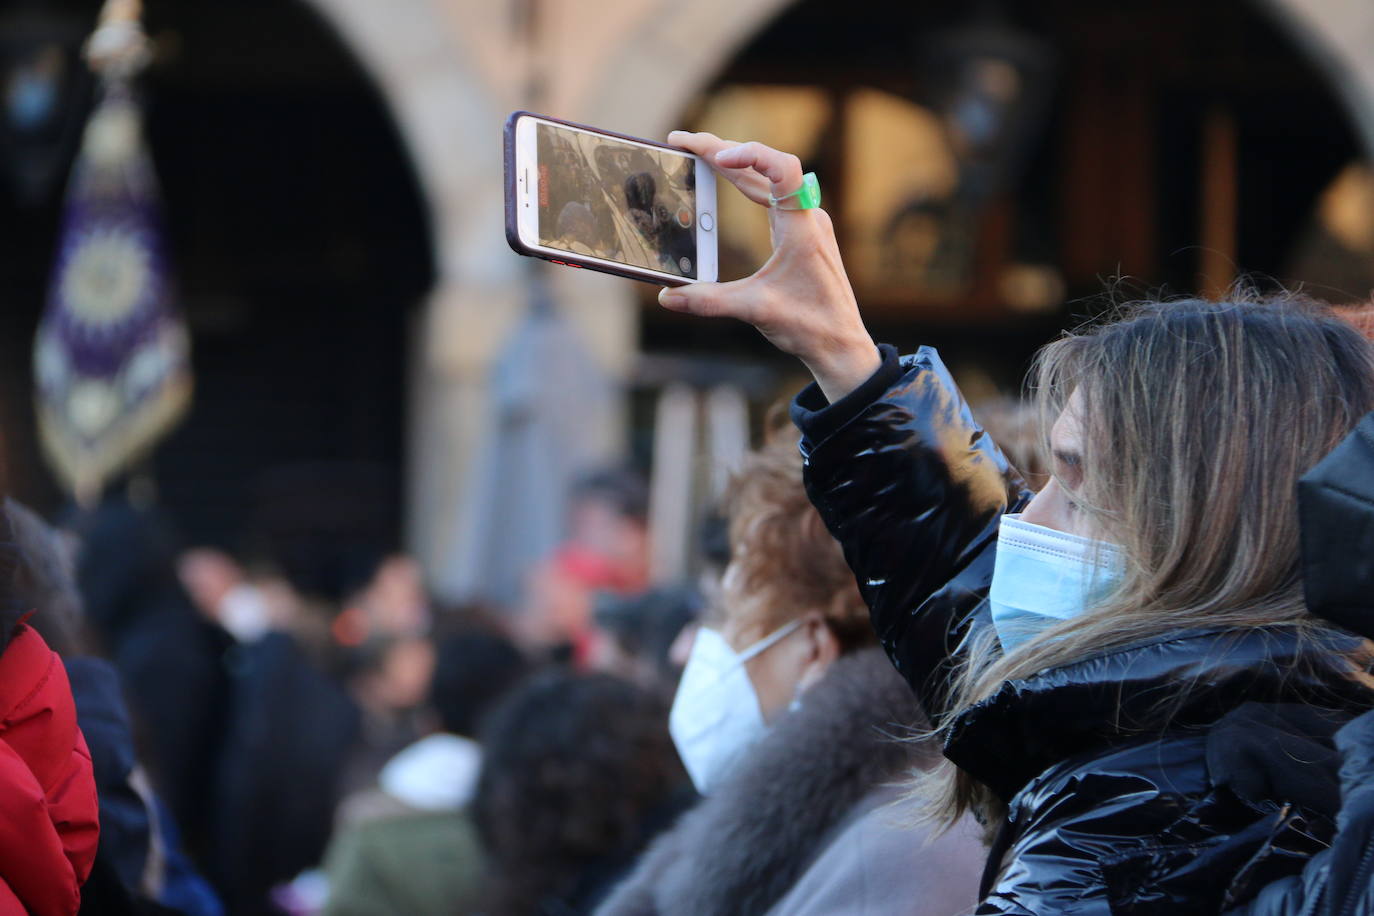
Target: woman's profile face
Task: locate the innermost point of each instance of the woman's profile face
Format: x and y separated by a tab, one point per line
1054	507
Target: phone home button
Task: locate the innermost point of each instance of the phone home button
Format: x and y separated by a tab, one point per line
707	221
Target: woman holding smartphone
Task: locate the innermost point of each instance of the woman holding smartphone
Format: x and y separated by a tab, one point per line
1079	647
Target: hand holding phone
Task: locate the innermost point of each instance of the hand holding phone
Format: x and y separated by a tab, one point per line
801	298
583	197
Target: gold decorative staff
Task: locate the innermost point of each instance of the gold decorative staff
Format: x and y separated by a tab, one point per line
118	48
112	356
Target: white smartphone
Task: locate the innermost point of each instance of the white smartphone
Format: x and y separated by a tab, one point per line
584	197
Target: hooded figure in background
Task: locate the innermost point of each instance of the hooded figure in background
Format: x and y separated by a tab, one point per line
1336	509
169	657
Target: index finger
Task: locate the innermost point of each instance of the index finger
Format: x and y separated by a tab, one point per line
783	170
708	146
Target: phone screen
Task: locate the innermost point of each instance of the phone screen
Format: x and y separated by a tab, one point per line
618	201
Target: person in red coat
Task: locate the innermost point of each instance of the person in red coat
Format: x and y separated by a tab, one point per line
48	810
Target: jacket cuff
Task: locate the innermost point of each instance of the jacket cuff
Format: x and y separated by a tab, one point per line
818	419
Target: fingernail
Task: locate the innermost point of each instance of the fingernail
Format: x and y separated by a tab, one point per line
724	153
671	298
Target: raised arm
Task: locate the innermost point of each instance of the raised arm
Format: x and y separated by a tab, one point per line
913	489
901	473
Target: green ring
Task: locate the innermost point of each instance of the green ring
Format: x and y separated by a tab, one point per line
807	197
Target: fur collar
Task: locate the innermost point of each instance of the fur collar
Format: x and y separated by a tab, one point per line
740	849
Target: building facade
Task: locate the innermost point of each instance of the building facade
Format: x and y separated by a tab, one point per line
450	71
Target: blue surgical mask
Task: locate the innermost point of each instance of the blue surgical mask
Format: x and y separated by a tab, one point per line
1042	576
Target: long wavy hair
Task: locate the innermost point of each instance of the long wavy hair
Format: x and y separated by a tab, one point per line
1196	418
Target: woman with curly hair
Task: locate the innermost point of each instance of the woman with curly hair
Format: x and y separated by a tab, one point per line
791	723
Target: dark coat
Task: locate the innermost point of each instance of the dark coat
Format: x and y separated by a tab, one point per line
136	831
1102	763
1338	881
1336	507
125	825
169	657
766	829
280	780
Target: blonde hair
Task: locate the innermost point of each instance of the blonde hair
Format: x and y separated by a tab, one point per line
786	560
1197	419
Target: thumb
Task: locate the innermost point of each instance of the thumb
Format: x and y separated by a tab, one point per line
709	300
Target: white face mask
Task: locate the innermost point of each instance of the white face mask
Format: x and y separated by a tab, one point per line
1041	576
716	714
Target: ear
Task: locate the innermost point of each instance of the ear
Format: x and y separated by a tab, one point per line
822	648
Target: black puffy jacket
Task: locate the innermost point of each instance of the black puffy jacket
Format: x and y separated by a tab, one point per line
1340	880
1336	506
1103	763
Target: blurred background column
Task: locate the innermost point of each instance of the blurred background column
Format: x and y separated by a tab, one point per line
451	72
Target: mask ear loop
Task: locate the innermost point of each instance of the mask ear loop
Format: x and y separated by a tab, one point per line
768	641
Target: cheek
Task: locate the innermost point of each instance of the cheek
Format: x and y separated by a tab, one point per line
775	675
735	625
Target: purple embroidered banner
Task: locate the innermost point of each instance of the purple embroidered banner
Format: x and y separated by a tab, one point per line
112	355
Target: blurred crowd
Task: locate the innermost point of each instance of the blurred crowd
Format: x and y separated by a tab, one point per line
1103	651
1102	647
303	730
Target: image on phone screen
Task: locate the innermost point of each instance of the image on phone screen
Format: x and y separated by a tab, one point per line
618	201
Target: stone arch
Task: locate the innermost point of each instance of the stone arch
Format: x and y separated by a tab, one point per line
1338	36
651	77
446	64
699	38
